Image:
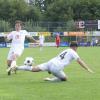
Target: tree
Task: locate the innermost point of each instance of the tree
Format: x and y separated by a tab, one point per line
43	4
60	10
86	9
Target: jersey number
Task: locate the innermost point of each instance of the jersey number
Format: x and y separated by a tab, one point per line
63	55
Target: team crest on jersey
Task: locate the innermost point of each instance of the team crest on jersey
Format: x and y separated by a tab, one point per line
17	36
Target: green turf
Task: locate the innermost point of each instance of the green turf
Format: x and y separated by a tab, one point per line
30	86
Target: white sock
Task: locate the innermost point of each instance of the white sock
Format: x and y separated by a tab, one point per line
24	67
54	79
13	63
40	48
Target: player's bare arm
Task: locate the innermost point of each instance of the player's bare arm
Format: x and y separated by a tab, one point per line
82	63
31	39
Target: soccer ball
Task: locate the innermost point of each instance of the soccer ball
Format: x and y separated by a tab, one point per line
28	61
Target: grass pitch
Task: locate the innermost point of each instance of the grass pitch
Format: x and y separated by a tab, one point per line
30	86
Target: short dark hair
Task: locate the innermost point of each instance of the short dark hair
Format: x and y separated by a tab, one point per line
73	44
19	22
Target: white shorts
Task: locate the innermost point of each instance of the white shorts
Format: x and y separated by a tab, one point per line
55	70
41	43
13	51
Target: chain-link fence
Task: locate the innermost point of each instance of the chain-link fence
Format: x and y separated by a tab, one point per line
42	26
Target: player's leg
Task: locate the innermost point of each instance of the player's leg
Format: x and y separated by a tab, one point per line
41	45
37	68
59	76
41	67
8	65
29	68
9	60
57	71
57	43
11	63
12	56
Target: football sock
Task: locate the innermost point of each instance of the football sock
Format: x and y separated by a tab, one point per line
41	48
8	71
24	67
54	79
13	63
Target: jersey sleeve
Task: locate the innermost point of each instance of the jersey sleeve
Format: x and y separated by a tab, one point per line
26	33
75	55
10	36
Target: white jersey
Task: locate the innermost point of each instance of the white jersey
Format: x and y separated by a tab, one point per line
65	58
17	38
41	39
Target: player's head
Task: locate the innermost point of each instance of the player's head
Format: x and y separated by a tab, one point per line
74	45
18	25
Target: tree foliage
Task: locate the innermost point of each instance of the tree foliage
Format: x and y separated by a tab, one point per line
11	10
86	10
49	10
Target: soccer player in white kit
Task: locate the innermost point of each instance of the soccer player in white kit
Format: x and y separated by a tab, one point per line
17	45
56	65
41	41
